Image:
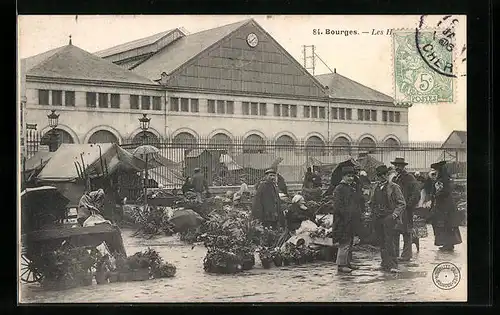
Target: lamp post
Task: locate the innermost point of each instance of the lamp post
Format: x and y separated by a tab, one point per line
53	122
144	124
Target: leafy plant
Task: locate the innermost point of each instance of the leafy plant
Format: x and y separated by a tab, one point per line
165	270
68	263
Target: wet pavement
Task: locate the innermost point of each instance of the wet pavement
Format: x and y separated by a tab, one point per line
314	282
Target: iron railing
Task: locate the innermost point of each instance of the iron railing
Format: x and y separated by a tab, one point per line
224	163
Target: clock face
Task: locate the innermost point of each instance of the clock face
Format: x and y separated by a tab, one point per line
252	40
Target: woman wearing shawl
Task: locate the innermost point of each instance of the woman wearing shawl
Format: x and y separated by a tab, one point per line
445	216
90	203
298	213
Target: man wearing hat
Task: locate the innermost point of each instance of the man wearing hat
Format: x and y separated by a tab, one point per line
387	203
199	183
347	218
445	215
409	187
266	203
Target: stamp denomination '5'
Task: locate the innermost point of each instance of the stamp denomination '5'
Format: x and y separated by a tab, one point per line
415	80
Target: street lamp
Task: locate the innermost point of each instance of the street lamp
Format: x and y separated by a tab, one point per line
53	122
144	122
53	119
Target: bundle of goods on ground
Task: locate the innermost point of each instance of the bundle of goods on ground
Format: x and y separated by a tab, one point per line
69	267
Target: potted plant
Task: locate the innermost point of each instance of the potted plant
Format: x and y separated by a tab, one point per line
316	254
277	258
265	257
248	260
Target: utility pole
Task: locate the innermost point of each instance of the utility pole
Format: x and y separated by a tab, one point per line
308	54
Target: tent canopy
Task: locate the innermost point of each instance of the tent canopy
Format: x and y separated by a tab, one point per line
258	161
229	162
38	160
61	166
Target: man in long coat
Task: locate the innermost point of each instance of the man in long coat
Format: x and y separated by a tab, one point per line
387	203
266	203
409	187
347	218
445	216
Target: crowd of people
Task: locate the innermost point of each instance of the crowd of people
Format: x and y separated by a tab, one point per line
392	203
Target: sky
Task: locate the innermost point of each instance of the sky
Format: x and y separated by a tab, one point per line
365	58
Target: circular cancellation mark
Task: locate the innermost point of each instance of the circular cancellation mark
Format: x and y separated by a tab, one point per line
436	46
446	276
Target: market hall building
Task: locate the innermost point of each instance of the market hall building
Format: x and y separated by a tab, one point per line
227	83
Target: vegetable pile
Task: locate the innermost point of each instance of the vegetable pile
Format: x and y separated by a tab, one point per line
231	238
67	267
148	260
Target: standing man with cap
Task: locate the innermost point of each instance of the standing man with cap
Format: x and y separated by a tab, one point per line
347	215
387	203
266	203
199	183
409	187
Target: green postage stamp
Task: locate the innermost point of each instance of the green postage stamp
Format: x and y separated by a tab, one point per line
423	68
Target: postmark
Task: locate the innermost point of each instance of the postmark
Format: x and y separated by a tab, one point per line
415	80
436	51
446	276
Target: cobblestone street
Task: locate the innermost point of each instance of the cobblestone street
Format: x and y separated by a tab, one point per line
316	282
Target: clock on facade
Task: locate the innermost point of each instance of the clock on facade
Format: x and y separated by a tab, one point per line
252	40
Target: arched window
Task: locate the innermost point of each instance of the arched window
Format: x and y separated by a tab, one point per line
55	137
184	140
315	146
391	143
146	137
285	142
103	136
367	142
341	145
254	144
221	141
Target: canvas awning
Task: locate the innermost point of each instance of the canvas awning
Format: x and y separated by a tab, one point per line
37	161
99	159
258	161
229	162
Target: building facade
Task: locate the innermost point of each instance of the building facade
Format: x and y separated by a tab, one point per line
227	83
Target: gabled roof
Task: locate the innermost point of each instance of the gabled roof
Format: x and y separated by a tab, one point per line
341	87
33	61
184	49
141	42
462	136
71	62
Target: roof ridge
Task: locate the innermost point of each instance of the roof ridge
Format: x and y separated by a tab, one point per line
45	52
79	53
50	57
356	82
137	40
186	62
225	25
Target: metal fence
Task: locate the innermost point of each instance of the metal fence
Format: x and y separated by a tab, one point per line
225	162
32	142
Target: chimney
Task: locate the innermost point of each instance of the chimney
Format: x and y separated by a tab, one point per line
334	70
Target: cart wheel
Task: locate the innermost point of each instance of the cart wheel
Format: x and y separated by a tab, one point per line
29	272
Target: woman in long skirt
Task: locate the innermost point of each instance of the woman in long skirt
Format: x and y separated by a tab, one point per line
445	216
